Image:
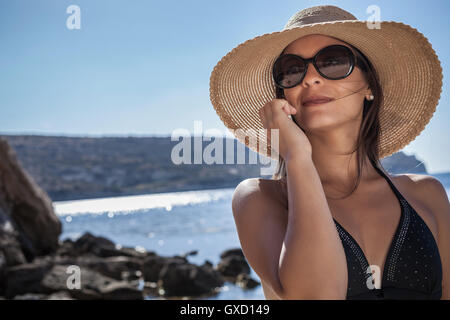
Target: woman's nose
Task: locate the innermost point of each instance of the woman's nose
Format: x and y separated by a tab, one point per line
311	76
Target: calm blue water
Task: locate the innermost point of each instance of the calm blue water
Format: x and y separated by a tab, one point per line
169	224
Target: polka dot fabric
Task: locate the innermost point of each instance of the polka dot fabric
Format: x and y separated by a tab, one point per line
413	268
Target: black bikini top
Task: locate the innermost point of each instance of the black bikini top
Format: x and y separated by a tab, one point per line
413	268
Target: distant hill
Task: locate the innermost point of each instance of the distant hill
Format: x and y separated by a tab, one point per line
69	168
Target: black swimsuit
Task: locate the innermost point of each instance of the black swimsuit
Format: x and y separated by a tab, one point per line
413	268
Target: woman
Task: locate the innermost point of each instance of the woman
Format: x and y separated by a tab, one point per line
333	224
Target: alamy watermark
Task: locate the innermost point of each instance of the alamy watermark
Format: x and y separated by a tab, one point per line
74	20
373	282
374	20
213	153
74	279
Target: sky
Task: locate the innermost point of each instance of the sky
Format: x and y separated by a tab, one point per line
142	68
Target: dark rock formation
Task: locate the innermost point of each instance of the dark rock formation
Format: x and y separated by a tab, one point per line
186	279
100	278
27	211
175	276
28	224
246	282
47	278
129	274
153	265
234	268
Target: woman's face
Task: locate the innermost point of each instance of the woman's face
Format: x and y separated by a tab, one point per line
345	111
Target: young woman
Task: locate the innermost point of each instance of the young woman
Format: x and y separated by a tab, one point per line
332	224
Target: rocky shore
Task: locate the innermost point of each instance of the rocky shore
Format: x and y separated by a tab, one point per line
106	271
35	264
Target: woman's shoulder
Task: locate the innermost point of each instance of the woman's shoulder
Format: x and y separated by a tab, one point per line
424	189
260	189
421	185
261	184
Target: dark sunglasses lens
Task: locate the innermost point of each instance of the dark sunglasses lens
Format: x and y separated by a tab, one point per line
288	71
335	62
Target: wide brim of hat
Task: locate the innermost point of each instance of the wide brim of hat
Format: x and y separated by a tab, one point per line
409	71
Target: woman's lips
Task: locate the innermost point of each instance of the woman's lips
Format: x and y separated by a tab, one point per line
316	102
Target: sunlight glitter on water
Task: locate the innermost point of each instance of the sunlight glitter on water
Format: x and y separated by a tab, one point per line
130	204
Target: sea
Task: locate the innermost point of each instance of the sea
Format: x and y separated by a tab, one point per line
169	224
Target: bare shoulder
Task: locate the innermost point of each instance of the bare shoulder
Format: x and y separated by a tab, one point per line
426	189
258	190
415	177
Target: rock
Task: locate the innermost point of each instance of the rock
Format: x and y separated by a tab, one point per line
98	246
66	249
27	207
25	278
246	282
233	265
10	247
132	275
11	253
175	276
96	286
62	260
232	252
2	273
153	265
189	253
121	291
208	264
61	295
93	285
89	243
114	267
30	296
57	279
152	288
132	252
234	268
45	278
186	279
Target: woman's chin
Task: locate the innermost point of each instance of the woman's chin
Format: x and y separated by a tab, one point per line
319	125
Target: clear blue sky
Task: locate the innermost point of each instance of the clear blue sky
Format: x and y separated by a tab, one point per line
142	67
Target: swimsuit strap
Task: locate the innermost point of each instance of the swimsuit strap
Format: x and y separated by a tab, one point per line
385	176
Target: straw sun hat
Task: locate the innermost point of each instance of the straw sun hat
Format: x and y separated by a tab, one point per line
408	68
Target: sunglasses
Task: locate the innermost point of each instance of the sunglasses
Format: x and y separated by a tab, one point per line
333	62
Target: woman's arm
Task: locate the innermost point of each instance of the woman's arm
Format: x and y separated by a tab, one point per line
312	262
261	225
437	198
300	256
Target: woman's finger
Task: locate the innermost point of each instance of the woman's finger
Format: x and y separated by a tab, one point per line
288	108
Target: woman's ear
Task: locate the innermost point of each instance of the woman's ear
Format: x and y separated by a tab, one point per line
369	95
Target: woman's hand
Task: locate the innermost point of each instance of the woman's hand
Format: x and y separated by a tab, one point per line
292	140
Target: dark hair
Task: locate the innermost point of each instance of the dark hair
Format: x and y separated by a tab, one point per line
369	132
